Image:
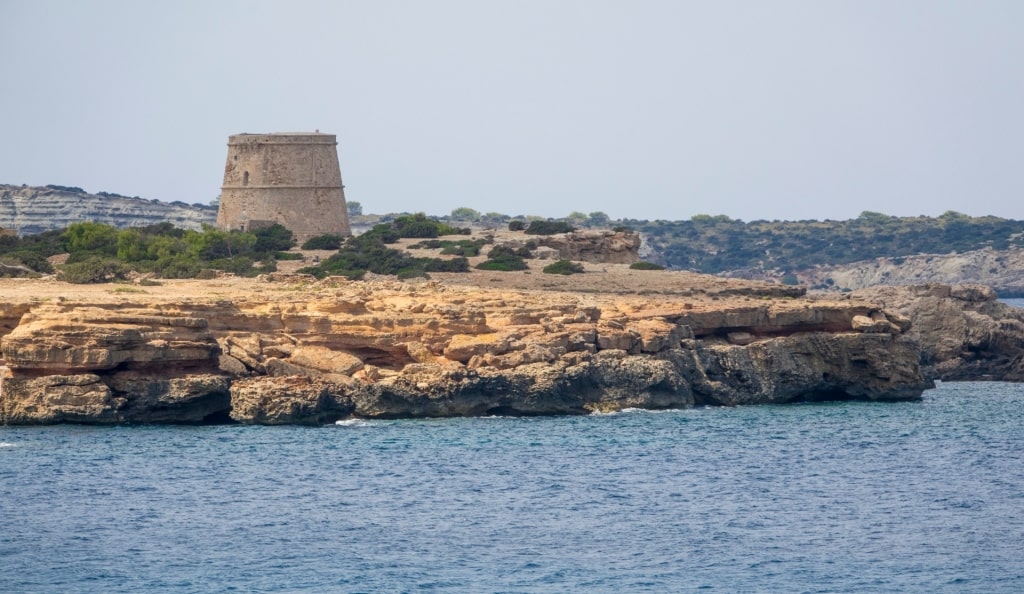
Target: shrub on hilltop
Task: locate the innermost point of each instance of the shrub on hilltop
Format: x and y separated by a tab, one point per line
548	227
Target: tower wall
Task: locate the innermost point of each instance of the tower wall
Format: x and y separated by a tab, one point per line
287	178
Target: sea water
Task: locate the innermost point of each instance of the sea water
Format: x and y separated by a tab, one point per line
832	497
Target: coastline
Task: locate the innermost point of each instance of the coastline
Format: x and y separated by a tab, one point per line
288	349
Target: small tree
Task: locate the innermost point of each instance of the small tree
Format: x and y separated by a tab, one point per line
576	218
598	219
465	214
91	237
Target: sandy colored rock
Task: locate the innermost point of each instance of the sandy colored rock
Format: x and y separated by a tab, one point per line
268	352
325	360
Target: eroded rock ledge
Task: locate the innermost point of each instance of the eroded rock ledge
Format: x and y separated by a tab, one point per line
337	349
964	331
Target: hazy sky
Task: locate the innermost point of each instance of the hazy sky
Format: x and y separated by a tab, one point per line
641	109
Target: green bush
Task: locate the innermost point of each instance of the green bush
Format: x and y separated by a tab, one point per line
177	266
548	227
516	225
368	253
34	260
430	244
324	242
504	259
287	256
383	233
411	272
419	229
94	269
160	249
418	225
95	238
563	267
441	265
500	266
12	268
463	247
275	238
646	266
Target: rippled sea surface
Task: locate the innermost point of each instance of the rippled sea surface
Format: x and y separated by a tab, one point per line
834	497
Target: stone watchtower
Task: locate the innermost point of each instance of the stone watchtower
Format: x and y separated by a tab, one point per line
287	178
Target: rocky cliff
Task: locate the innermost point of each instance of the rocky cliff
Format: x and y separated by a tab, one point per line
296	351
594	245
965	333
1003	270
28	210
597	246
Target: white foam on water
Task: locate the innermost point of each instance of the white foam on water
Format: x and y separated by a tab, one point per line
353	423
634	410
6	444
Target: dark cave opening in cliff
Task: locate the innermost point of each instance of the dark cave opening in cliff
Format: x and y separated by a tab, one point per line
219	417
831	395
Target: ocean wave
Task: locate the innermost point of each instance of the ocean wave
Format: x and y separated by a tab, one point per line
6	444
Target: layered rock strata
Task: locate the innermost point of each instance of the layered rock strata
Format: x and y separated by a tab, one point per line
1003	270
964	331
28	210
320	352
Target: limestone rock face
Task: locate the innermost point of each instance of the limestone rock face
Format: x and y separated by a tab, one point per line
69	338
389	349
29	210
964	332
1001	269
126	397
595	245
80	398
295	400
193	398
812	366
108	363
